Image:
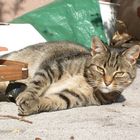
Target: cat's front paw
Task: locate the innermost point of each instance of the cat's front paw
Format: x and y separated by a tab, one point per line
28	103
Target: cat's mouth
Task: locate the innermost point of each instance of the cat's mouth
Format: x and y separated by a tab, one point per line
105	90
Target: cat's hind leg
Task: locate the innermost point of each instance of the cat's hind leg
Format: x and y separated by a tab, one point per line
64	100
41	104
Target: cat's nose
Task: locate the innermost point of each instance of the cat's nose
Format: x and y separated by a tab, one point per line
107	83
107	80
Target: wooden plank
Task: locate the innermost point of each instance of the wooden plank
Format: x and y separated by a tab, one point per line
12	70
11	62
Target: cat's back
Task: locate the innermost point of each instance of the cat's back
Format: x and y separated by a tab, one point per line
41	50
63	49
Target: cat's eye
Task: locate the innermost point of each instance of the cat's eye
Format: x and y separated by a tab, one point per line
119	74
99	69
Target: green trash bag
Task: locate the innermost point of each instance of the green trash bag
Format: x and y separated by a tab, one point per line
71	20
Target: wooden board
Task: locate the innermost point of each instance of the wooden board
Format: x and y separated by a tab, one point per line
12	70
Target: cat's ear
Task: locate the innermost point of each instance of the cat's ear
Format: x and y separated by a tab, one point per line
97	46
132	54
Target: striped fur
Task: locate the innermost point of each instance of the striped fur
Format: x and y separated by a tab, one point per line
64	75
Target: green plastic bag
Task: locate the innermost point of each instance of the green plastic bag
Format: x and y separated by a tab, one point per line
72	20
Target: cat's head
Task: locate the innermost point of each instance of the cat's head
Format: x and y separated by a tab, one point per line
111	69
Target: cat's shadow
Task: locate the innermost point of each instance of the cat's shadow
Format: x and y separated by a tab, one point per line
121	99
3	98
138	63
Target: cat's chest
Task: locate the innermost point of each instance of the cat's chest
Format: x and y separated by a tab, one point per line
75	83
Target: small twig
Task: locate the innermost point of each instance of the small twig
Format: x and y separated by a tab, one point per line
16	118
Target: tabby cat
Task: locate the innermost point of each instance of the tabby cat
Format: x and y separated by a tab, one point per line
63	75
